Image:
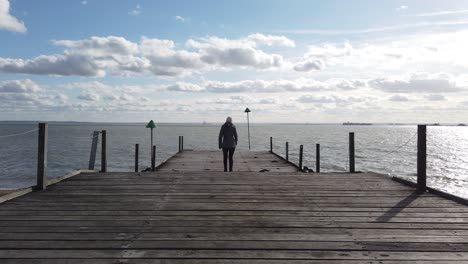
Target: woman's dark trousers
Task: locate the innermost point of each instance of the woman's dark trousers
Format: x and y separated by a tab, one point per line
227	151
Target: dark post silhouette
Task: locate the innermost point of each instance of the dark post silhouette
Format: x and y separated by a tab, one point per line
153	159
182	138
42	157
317	158
351	152
422	156
136	157
92	155
180	144
103	151
301	152
287	151
271	144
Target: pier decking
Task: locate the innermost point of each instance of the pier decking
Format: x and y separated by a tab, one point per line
195	213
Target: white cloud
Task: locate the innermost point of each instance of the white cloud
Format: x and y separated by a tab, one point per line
416	83
441	13
185	87
398	98
19	86
436	97
401	8
270	40
448	23
9	22
65	65
237	53
180	18
421	52
136	11
309	65
98	56
308	98
89	96
268	86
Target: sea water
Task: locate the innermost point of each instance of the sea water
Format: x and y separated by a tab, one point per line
390	150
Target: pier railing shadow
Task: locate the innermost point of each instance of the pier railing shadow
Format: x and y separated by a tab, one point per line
397	208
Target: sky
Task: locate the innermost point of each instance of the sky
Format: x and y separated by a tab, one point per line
193	61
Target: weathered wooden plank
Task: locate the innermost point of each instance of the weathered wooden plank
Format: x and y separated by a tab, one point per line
234	254
189	210
236	245
219	261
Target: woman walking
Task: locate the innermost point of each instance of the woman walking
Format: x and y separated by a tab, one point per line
228	142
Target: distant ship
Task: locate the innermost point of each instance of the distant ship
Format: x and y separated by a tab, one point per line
356	124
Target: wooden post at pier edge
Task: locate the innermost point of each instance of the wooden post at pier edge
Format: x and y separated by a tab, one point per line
422	155
317	158
103	151
301	152
136	156
351	152
153	159
287	151
42	157
92	155
271	144
180	144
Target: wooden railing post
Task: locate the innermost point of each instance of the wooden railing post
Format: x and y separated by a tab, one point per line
271	144
103	151
42	157
153	159
287	151
301	152
92	155
180	144
351	152
182	138
136	156
317	158
422	156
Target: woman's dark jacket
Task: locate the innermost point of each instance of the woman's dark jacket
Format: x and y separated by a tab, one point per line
228	136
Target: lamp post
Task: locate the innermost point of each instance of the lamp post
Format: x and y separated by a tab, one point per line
151	125
247	110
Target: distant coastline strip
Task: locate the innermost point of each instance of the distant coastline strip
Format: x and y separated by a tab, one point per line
19	134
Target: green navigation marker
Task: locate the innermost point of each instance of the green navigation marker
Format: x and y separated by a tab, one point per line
151	124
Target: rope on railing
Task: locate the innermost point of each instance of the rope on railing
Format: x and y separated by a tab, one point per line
400	146
19	134
88	137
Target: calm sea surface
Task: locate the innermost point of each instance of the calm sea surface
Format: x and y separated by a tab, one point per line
386	149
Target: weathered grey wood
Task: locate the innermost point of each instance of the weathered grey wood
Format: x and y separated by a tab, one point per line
136	156
422	156
271	144
103	151
180	144
42	157
351	153
301	156
187	214
317	158
153	158
92	155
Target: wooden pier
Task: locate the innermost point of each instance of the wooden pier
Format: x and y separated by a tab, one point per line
189	211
